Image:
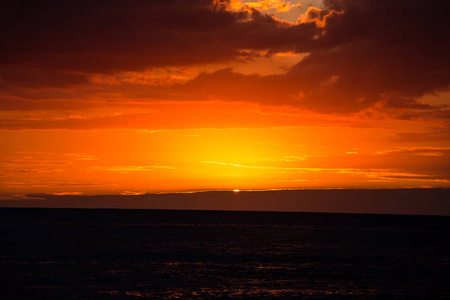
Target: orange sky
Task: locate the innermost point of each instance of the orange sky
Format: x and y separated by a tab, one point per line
132	97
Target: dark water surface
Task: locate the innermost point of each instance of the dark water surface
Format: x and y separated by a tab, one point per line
132	254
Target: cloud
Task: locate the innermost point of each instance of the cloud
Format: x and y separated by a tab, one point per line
315	15
37	78
8	170
132	193
33	184
360	54
68	194
420	151
369	54
276	5
433	135
129	169
153	120
106	36
344	172
112	36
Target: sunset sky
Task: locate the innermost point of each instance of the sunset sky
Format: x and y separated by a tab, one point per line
141	96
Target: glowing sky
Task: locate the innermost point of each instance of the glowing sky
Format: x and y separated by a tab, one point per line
135	96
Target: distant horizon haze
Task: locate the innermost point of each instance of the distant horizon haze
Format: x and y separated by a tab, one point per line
368	201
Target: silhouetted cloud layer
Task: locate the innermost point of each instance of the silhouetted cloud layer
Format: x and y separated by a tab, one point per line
368	53
361	54
391	201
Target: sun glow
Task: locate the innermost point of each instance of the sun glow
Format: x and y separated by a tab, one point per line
231	101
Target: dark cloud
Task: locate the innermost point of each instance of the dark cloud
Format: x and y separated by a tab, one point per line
14	104
370	53
433	135
443	114
228	85
264	32
107	36
362	54
37	78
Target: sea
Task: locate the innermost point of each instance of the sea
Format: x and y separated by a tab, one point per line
173	254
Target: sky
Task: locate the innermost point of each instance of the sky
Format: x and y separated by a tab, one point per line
140	96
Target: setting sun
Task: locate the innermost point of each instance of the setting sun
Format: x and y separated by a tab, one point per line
257	94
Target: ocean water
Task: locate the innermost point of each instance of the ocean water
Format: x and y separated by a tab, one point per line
157	254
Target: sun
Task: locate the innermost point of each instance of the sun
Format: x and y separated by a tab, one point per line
236	191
